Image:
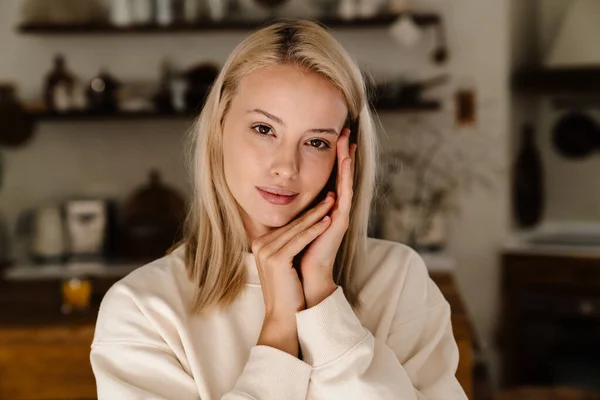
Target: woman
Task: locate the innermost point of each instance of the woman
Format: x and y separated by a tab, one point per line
276	292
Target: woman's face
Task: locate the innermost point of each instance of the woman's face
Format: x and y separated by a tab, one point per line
280	132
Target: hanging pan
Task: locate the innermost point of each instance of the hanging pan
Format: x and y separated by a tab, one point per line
576	135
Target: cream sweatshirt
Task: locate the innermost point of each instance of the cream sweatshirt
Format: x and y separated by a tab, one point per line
147	345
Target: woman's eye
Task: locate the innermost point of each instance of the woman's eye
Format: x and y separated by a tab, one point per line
319	144
262	129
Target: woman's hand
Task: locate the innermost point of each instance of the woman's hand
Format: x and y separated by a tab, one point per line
282	290
318	260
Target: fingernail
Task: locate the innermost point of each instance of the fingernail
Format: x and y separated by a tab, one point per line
326	218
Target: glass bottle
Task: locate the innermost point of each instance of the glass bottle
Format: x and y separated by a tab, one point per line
528	182
58	86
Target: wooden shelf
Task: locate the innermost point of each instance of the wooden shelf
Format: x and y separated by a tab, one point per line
39	115
422	19
45	115
563	81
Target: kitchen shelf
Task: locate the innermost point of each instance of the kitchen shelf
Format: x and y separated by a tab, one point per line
422	19
579	102
41	115
563	81
45	115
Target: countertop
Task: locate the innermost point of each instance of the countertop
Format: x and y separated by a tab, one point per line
31	295
519	245
557	238
435	262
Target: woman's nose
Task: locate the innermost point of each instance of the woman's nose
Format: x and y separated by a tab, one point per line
285	164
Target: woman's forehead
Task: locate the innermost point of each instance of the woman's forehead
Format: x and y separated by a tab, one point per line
289	91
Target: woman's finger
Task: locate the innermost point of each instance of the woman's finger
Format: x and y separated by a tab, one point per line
342	150
345	201
304	238
274	241
353	156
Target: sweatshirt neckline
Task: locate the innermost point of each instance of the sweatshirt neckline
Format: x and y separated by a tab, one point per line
252	276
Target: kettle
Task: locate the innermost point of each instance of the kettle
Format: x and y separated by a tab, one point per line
49	241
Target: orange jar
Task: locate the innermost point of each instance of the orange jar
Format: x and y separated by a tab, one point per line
76	294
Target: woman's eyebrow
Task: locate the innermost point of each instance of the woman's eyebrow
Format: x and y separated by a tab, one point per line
279	121
268	115
330	131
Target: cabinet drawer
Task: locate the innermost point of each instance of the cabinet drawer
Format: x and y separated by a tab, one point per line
560	305
538	269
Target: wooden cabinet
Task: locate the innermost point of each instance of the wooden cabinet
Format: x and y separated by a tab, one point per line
45	355
550	321
46	363
462	329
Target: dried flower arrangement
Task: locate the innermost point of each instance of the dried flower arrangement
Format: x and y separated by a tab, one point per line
422	175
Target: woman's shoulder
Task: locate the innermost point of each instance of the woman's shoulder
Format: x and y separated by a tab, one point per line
389	257
160	286
396	267
383	249
159	276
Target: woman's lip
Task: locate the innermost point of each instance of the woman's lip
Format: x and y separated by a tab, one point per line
276	199
277	190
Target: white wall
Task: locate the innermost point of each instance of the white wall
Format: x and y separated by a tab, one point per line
571	31
481	47
550	15
112	158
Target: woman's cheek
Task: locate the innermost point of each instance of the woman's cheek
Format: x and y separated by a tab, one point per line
320	171
255	156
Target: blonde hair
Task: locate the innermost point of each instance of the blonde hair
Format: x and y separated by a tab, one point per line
213	233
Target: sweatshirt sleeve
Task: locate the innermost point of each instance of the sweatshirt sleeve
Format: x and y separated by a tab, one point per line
130	360
417	361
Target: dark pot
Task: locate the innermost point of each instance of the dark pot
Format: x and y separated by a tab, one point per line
17	127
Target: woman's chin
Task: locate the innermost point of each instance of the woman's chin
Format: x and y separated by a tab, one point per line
273	219
275	223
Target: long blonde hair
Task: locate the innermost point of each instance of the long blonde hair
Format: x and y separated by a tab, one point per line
213	232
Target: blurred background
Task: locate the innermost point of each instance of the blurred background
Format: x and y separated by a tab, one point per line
489	124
